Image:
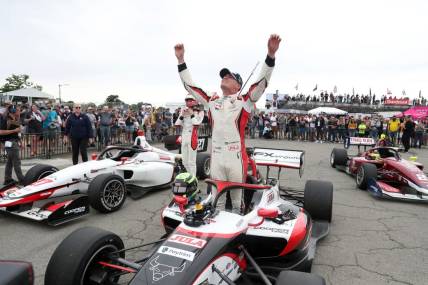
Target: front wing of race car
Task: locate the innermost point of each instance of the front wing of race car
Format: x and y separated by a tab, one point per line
52	213
381	189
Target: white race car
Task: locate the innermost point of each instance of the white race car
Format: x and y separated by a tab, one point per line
102	183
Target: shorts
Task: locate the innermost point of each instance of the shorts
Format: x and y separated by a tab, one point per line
49	133
130	129
34	130
274	128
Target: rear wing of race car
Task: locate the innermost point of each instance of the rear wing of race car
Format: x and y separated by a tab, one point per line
280	158
360	142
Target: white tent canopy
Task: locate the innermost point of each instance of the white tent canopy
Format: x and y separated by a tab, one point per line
327	110
28	93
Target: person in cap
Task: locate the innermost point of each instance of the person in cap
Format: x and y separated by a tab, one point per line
229	115
189	119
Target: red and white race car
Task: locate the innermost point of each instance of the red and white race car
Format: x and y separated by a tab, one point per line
205	244
382	171
57	196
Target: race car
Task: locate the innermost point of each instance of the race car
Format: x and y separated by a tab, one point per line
384	173
57	196
206	244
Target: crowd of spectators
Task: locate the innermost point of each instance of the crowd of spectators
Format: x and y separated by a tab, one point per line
110	125
334	129
325	97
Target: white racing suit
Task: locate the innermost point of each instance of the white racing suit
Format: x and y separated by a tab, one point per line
189	138
229	116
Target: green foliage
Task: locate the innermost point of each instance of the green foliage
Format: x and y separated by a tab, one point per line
18	81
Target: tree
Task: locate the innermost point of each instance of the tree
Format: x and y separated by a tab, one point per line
18	81
113	99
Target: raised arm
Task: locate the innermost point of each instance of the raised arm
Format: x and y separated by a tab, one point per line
198	93
256	89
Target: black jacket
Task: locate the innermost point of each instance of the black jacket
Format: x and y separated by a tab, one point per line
78	127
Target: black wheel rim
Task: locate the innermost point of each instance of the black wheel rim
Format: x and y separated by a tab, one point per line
113	194
93	267
207	167
45	173
360	175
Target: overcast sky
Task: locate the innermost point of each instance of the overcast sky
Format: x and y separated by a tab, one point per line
126	47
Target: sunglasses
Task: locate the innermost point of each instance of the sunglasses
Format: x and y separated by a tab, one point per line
77	107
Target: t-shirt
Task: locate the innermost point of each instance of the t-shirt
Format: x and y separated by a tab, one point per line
394	125
51	117
92	119
36	123
105	119
273	121
4	126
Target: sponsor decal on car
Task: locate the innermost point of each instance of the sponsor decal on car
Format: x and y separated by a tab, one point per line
195	242
161	271
176	252
273	230
75	210
37	214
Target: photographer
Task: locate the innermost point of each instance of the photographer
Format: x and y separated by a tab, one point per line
10	131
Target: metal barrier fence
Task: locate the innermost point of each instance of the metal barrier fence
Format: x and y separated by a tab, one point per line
42	147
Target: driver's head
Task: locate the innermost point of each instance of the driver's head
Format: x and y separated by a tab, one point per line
190	101
374	155
185	184
231	83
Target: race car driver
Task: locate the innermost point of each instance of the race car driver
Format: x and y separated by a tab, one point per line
190	118
229	115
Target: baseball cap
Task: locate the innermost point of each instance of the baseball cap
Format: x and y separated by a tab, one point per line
235	76
189	97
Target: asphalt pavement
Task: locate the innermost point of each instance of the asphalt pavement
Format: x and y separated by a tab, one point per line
371	241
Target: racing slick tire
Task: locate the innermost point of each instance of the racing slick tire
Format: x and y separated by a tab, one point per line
203	165
77	256
37	172
365	172
287	277
318	199
107	193
338	156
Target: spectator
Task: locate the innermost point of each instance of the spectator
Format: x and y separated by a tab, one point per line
260	124
50	126
393	129
34	119
129	125
106	123
93	119
362	129
419	133
168	120
78	129
408	131
274	125
10	132
352	127
319	125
